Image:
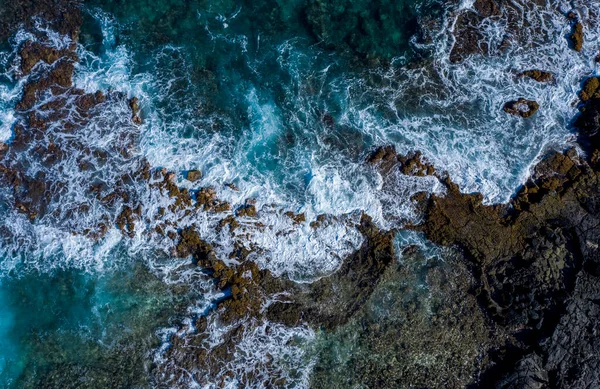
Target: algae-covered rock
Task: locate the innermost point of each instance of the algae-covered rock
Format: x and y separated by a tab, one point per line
64	16
298	218
134	104
590	89
531	256
538	75
248	209
412	164
193	175
577	36
420	328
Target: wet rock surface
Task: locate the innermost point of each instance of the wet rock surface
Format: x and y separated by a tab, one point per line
534	259
421	327
520	27
577	35
469	39
63	14
538	75
521	309
521	107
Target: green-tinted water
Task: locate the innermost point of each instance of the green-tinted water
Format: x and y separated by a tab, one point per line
72	329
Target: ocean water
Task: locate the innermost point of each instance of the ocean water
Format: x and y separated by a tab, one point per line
284	100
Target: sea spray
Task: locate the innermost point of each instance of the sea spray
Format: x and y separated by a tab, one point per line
300	123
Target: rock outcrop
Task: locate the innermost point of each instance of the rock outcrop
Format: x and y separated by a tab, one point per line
521	107
538	75
535	258
577	35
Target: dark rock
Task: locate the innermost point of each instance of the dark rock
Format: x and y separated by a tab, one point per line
588	124
469	24
64	16
528	374
521	107
537	259
573	349
333	300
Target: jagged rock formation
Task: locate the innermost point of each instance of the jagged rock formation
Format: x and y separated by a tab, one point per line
577	34
519	29
535	258
534	263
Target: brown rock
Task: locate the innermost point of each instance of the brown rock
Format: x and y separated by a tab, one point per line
135	110
247	210
577	36
590	90
297	218
521	107
538	75
194	175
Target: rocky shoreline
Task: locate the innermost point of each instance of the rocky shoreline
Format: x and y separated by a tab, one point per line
528	282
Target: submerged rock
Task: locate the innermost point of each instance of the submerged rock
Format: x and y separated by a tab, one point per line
376	28
420	328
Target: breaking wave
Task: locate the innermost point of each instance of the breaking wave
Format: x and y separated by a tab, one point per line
300	148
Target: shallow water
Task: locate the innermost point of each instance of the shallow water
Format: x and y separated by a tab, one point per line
68	326
284	100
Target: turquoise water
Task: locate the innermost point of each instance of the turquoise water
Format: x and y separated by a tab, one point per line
285	100
69	328
259	73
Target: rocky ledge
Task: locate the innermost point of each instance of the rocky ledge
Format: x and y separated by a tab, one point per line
537	262
528	297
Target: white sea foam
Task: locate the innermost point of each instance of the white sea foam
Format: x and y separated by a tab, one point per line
265	354
289	160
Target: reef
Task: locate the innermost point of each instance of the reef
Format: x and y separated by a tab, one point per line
516	306
535	258
471	22
421	327
63	14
